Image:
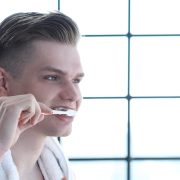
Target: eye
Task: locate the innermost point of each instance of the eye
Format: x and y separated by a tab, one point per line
51	78
75	80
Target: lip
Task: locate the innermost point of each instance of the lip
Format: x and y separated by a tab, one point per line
65	119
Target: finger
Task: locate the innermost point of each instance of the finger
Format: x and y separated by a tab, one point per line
29	113
18	106
25	120
23	127
14	98
26	123
45	108
39	107
10	112
37	114
40	118
24	115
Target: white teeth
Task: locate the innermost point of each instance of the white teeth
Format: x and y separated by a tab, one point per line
65	111
61	109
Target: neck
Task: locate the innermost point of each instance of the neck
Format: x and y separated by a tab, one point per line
27	150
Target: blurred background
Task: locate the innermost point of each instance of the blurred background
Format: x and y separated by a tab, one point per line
128	127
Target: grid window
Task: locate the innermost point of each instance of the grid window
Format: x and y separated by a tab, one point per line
155	127
128	125
97	130
155	16
98	16
130	54
105	67
155	66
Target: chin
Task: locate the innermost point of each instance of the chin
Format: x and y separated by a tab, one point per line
55	129
63	132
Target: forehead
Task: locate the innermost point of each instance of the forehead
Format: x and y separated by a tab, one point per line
54	54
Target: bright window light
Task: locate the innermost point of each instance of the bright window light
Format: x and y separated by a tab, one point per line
98	170
155	66
98	16
99	125
155	127
155	170
155	16
104	60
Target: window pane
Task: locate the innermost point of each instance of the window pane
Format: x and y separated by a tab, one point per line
155	66
155	16
104	61
155	170
98	170
10	7
98	17
99	130
155	127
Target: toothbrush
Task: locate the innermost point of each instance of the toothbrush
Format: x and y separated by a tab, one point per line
68	112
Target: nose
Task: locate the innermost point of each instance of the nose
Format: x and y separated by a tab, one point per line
69	91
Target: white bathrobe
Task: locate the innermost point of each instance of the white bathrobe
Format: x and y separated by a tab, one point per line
52	162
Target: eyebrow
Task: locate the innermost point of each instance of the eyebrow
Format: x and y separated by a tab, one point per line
52	69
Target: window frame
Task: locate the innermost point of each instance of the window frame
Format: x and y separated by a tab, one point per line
128	159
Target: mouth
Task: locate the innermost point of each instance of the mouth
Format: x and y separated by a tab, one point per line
61	109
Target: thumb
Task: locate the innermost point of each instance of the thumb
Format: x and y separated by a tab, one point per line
45	109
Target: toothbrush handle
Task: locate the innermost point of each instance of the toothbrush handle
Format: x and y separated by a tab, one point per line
46	113
68	112
55	112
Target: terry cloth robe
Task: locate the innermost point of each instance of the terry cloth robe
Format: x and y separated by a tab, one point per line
52	162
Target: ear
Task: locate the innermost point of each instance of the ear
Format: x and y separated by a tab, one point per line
3	83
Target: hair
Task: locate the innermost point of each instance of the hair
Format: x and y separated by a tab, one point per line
18	31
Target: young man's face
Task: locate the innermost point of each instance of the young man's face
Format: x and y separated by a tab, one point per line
53	77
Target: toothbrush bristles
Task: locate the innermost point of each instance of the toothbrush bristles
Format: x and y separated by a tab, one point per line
64	109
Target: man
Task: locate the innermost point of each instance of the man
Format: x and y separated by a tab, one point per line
40	70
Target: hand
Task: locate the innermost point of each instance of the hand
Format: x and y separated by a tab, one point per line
64	178
18	113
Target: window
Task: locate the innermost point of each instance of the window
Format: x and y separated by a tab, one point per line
128	125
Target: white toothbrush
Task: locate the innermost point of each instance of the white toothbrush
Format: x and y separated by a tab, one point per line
68	112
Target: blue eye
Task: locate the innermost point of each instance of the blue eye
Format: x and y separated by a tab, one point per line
75	80
51	78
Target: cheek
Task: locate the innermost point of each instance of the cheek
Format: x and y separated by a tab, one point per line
43	94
